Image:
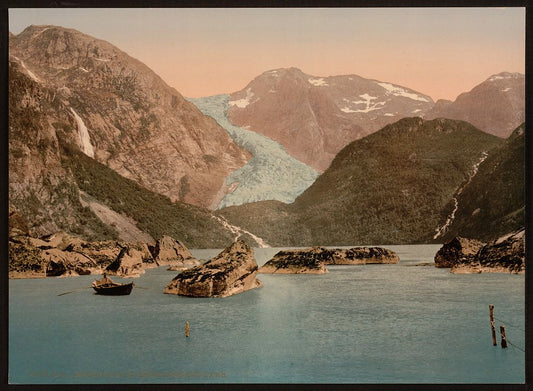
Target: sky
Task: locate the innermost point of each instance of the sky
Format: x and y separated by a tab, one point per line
440	52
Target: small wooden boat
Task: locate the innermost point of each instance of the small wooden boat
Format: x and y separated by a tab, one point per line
112	289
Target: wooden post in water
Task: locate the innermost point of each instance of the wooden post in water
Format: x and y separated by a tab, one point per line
493	328
504	338
186	329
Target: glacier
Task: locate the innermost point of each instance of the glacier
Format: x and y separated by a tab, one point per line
271	173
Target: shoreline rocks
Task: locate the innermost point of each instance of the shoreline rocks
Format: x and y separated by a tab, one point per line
172	252
466	256
457	250
232	271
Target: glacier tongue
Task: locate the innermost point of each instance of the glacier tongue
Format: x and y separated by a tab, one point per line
271	174
85	139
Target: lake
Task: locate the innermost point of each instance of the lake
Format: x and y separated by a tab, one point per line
356	324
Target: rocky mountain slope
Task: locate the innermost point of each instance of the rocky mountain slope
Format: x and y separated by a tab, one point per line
54	185
496	106
493	202
119	112
315	117
389	187
271	173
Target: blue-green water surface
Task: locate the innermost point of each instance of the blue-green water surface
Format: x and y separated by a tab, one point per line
356	324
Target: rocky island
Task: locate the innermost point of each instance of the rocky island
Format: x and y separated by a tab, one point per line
503	255
232	271
314	260
309	261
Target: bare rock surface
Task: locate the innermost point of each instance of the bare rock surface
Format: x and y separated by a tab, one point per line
458	250
308	261
232	271
129	262
314	260
172	252
503	255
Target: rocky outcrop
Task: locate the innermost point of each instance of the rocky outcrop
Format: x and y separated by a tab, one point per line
314	260
68	263
309	261
64	255
458	250
363	256
504	255
130	262
172	252
230	272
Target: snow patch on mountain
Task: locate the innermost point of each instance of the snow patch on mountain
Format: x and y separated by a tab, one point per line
320	82
83	133
367	102
271	174
505	75
242	103
399	91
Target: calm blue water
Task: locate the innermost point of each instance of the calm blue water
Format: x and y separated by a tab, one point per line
356	324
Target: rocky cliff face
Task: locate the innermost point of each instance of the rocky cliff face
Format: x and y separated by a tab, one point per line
117	111
54	185
232	271
496	106
315	117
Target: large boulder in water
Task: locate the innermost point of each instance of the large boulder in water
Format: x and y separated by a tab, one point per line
172	252
457	250
232	271
503	255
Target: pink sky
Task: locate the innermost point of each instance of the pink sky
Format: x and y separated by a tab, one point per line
440	52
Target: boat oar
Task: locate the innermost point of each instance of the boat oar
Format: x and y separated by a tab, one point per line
75	290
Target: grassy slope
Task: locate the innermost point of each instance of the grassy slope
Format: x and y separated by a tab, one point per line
154	213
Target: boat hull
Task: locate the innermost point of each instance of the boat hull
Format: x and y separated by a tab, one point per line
114	290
